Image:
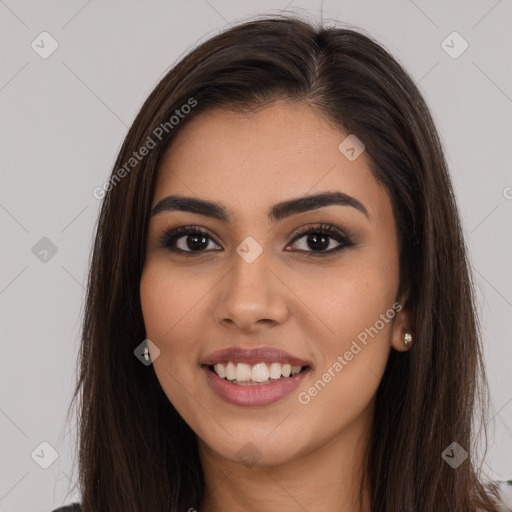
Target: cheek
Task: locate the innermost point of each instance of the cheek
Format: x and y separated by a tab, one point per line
171	303
357	307
347	300
170	313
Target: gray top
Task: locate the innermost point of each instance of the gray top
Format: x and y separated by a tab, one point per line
505	493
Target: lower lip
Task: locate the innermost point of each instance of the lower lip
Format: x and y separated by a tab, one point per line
262	394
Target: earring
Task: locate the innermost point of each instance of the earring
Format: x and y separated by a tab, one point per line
407	339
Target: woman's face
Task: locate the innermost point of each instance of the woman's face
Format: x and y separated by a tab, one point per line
252	284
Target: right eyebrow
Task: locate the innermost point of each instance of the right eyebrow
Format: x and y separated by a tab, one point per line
278	212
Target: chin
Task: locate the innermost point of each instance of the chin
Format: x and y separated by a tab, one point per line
251	451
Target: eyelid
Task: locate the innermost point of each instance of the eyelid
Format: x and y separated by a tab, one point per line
342	236
175	232
321	226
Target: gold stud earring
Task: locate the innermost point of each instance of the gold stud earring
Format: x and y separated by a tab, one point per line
407	339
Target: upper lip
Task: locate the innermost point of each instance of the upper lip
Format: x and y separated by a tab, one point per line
253	356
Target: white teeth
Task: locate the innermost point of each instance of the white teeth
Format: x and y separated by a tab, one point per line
243	372
220	370
275	371
260	372
296	369
230	371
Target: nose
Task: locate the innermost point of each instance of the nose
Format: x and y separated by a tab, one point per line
252	297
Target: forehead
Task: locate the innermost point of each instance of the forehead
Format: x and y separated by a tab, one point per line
250	161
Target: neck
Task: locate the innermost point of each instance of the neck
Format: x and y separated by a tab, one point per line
327	477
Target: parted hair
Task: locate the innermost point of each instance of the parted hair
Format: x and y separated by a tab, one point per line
135	452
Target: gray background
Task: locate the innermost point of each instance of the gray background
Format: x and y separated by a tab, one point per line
63	121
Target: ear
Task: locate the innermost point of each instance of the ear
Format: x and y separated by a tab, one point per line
401	325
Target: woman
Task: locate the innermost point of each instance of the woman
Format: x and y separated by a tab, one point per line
280	313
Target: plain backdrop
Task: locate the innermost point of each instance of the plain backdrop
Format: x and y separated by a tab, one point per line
64	117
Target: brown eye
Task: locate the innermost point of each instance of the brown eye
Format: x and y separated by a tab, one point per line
317	238
186	240
191	240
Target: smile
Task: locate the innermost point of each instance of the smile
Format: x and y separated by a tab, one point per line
244	374
249	393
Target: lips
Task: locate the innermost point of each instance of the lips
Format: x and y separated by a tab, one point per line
238	388
256	395
253	356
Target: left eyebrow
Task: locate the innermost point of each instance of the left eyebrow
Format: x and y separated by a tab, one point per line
278	212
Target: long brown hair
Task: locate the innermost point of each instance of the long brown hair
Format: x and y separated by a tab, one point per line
135	451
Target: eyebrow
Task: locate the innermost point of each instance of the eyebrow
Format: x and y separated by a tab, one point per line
278	212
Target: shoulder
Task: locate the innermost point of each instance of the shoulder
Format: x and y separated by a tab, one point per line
74	507
505	491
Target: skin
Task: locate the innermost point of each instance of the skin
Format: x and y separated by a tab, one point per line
314	308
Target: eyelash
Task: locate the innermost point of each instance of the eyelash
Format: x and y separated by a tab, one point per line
173	233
